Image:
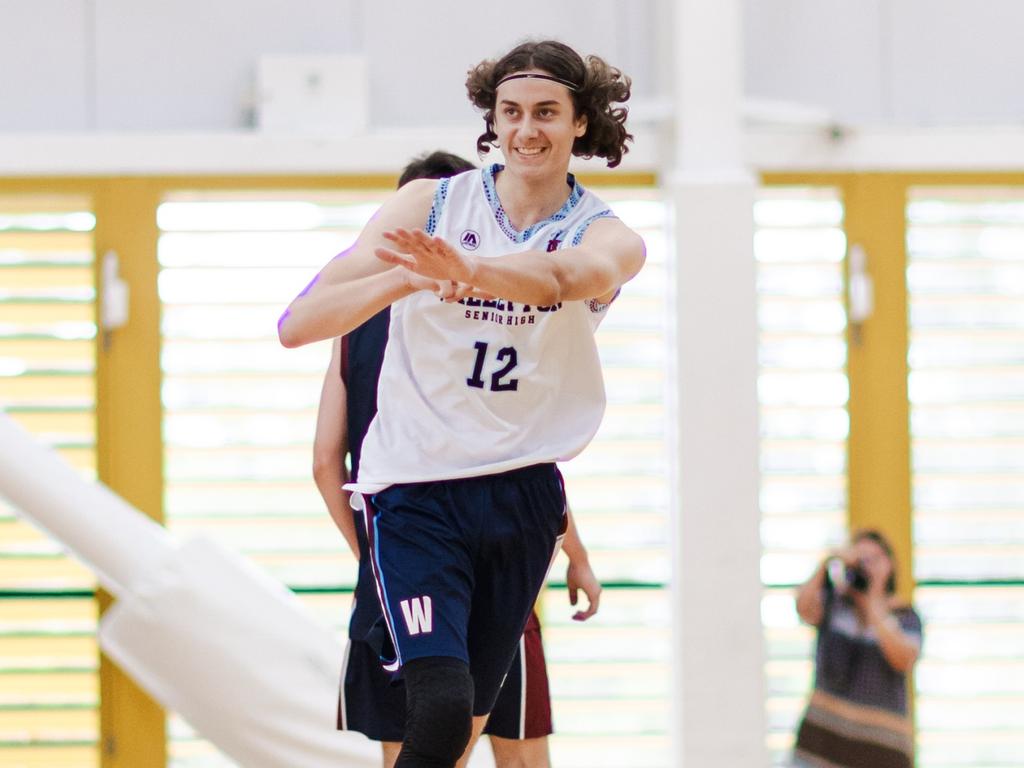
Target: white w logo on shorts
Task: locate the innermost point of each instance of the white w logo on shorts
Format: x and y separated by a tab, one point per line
418	614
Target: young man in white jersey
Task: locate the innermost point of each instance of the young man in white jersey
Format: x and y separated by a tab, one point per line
520	722
482	392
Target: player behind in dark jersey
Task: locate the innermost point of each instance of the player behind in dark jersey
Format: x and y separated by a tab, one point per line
368	703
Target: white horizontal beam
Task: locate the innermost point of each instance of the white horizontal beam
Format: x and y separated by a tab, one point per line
886	149
138	154
779	149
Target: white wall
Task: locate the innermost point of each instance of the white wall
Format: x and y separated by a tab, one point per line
419	52
905	62
189	64
149	65
965	63
44	76
826	53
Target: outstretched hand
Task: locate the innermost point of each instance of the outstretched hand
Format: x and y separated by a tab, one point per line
581	577
427	256
445	290
449	291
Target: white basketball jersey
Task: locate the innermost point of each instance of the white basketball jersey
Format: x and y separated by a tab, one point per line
480	387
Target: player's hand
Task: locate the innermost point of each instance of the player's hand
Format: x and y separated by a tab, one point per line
420	283
581	577
446	290
450	292
427	256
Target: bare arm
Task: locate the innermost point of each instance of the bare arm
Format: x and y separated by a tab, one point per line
579	575
609	255
355	285
809	603
899	649
330	445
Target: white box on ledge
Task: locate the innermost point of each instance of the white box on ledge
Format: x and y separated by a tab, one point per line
315	94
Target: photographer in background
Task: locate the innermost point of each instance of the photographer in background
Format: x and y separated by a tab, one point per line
868	641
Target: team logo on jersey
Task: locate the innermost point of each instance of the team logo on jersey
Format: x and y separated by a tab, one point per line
554	242
418	614
470	240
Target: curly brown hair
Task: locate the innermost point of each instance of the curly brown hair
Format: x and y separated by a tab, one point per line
598	87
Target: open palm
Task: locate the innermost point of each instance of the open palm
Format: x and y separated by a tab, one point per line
427	256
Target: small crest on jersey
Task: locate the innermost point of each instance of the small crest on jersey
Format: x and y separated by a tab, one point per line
470	240
554	242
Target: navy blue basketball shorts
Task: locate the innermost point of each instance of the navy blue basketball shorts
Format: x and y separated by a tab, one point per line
373	705
369	702
459	565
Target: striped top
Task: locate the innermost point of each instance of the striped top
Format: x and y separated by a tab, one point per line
857	716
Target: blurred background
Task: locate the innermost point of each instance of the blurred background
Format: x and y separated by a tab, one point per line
221	151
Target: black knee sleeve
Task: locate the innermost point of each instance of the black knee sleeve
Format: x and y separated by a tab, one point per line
439	712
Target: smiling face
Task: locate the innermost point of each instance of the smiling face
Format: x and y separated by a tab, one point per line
536	126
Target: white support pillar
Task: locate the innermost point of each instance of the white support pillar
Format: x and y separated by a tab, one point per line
718	717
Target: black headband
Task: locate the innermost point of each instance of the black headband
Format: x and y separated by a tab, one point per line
538	76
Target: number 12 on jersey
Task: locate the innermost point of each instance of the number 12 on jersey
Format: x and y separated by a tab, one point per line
506	355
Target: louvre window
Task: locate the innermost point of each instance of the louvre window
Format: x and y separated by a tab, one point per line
620	660
800	246
966	292
48	653
239	409
239	421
